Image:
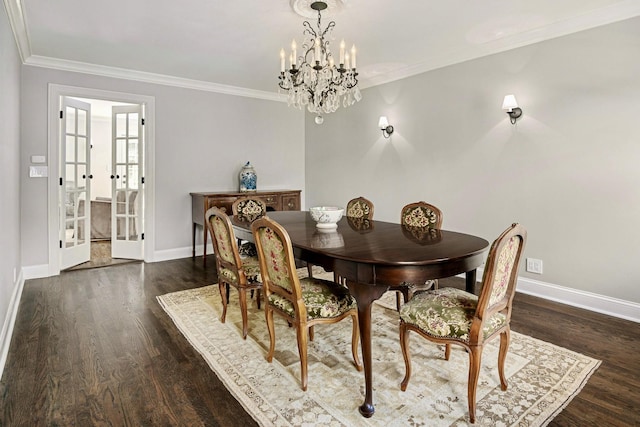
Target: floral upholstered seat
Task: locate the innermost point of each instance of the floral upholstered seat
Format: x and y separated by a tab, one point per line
447	313
452	316
251	267
242	273
302	302
321	298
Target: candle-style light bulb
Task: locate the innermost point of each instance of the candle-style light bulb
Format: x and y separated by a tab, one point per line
346	61
294	53
342	52
353	56
317	50
282	60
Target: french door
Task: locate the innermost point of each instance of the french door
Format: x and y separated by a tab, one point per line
75	187
127	179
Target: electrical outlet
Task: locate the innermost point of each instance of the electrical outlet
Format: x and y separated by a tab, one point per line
534	265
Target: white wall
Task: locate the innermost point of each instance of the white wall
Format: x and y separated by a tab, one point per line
202	139
568	171
10	173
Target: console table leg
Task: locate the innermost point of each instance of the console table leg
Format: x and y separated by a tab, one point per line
204	249
193	241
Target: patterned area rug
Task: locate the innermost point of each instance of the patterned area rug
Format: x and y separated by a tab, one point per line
542	377
101	257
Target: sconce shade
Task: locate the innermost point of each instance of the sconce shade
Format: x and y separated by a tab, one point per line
511	106
509	103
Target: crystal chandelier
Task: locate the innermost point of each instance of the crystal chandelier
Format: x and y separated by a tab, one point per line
314	79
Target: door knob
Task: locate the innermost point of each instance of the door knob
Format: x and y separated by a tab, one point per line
85	177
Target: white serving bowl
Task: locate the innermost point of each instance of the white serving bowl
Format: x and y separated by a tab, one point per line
326	216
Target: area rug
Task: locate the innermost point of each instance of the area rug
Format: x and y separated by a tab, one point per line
542	377
101	257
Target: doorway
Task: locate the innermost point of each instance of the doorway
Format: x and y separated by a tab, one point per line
113	199
102	194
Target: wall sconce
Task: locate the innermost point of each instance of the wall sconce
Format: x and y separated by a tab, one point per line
511	106
385	127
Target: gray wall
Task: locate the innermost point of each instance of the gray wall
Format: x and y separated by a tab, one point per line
202	139
568	170
10	262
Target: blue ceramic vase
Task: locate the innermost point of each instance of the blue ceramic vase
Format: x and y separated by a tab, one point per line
248	178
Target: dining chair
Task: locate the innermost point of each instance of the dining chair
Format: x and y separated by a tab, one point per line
359	208
417	216
452	316
303	302
242	273
248	209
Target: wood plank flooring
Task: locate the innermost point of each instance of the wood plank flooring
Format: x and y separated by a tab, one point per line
93	347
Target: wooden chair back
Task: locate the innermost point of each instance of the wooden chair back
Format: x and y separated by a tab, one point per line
421	214
249	208
359	208
499	279
225	246
277	263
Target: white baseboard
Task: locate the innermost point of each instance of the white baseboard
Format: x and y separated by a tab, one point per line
594	302
603	304
177	253
37	271
10	320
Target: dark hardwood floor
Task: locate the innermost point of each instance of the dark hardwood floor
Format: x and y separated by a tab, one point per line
93	347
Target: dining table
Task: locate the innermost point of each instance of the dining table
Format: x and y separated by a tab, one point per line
371	257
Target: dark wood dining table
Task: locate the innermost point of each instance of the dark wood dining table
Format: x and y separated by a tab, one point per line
371	256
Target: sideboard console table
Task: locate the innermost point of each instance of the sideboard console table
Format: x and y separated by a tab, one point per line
278	200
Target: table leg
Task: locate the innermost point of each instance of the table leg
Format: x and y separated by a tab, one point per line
364	296
470	281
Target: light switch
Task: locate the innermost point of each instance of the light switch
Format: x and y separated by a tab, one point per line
38	159
38	171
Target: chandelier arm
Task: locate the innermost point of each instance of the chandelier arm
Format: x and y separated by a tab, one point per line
331	25
308	29
306	53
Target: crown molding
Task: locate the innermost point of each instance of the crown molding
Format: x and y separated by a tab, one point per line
161	79
16	20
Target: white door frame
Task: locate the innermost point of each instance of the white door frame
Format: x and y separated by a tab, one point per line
56	92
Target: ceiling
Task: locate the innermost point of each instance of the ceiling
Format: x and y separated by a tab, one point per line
233	46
